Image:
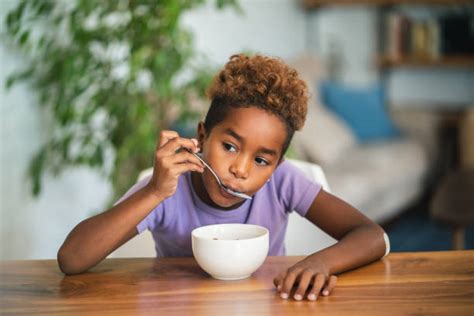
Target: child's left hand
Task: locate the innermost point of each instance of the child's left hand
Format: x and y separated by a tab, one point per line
310	277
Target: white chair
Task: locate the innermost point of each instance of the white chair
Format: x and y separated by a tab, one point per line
141	245
302	237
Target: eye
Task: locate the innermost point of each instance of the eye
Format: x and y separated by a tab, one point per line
261	161
229	147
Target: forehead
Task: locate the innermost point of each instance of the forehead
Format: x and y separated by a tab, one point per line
257	127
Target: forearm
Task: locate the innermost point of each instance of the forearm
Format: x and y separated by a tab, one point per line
94	238
359	247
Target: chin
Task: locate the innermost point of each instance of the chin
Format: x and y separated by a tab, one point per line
222	201
217	197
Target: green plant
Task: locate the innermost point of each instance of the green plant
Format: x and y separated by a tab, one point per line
109	74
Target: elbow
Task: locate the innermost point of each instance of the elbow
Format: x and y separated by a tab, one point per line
68	263
378	240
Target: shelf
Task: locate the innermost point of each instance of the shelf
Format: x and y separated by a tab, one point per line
313	4
451	61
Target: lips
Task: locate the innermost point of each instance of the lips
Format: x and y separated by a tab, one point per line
226	194
236	189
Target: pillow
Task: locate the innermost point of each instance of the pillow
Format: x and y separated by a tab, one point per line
324	139
362	109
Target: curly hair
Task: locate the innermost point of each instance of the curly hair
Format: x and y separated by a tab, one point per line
259	81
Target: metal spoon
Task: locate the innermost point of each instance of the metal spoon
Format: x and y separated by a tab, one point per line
226	188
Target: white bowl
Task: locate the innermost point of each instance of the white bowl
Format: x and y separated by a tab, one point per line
230	251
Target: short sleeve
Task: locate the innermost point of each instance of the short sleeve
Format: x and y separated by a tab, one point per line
151	220
296	190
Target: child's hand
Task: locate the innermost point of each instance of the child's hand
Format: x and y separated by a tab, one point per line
170	163
309	277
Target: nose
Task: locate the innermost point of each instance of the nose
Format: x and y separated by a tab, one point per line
240	167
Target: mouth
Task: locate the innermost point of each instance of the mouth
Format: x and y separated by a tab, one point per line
235	189
226	194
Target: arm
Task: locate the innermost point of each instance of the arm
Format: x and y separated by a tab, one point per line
360	241
96	237
351	228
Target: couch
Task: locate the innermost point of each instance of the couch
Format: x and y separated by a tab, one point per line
380	178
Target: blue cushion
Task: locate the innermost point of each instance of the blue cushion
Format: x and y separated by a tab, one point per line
362	109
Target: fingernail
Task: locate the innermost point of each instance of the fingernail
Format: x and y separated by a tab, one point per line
325	292
312	297
284	295
279	287
298	297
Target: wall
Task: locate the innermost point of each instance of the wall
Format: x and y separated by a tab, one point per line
34	228
274	27
353	32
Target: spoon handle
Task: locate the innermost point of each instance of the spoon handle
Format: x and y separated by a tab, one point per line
205	164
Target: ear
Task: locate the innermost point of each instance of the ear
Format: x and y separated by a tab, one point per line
201	134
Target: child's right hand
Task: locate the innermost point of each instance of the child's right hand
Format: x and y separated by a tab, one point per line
170	163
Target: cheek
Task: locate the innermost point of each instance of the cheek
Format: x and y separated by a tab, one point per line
208	180
261	180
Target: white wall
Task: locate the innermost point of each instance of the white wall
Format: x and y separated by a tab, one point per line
354	29
29	227
34	228
351	31
274	27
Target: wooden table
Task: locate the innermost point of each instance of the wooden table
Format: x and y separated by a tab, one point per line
435	283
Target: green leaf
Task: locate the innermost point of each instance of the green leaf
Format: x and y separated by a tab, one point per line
97	157
73	80
18	76
24	37
36	170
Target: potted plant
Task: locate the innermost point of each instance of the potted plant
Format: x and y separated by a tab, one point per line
111	74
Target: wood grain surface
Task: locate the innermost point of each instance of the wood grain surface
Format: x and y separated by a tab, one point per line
434	283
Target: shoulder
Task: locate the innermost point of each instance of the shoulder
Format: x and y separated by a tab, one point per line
295	187
289	171
181	190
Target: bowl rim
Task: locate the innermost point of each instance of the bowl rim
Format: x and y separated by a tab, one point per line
194	232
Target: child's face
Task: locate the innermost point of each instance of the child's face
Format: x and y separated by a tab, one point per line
244	150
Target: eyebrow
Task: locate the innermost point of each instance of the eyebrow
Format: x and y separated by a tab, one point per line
264	150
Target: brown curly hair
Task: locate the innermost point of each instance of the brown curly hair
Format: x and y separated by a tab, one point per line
260	81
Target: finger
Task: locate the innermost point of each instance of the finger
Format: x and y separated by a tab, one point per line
166	136
174	145
319	280
330	285
184	156
305	279
185	167
288	283
278	281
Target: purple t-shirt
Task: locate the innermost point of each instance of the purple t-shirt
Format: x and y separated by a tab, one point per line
172	221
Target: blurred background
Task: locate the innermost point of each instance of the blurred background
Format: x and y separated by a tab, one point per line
85	88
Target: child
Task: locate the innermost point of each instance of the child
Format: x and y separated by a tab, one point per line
257	104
